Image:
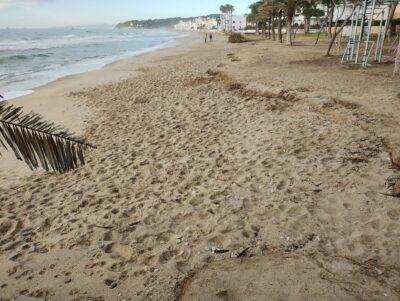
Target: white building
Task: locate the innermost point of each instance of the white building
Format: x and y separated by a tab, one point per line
299	19
342	12
237	23
197	24
185	26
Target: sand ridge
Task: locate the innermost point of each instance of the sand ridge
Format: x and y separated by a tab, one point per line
189	163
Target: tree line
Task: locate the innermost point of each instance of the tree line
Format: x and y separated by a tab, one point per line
270	16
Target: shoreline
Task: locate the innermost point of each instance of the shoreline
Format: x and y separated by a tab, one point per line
54	102
113	60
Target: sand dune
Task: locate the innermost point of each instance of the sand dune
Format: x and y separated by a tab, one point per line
201	157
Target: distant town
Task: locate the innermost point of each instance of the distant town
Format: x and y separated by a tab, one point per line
223	23
227	21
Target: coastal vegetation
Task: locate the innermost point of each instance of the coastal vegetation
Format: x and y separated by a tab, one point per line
38	142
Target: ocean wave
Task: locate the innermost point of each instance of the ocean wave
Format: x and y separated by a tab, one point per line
19	57
51	67
22	57
6	76
48	43
55	38
42	55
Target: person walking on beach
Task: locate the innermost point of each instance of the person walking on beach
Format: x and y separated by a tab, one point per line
211	37
205	40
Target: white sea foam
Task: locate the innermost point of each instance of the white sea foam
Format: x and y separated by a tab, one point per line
59	42
16	94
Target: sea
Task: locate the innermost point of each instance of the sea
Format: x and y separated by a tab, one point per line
30	58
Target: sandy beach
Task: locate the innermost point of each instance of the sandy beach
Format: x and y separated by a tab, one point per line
251	171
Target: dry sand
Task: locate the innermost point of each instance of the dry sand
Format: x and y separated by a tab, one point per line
223	172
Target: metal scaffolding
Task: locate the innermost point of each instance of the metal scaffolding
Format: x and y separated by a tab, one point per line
361	42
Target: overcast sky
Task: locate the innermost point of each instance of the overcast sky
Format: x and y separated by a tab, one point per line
47	13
